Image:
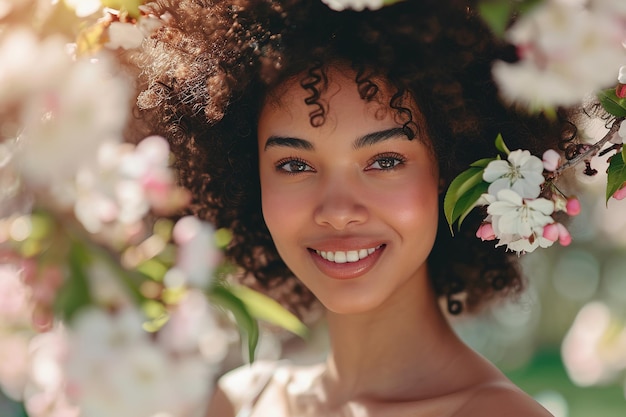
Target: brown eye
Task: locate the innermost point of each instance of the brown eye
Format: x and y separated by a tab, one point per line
293	166
385	162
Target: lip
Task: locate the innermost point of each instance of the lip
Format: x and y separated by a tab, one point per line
348	270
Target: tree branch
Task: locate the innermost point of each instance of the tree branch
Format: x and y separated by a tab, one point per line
591	151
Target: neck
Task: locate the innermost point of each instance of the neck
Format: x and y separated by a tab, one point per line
393	352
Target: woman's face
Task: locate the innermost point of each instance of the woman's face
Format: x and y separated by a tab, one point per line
352	205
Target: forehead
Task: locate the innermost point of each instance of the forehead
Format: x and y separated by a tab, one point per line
335	93
326	84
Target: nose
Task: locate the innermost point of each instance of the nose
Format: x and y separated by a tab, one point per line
340	204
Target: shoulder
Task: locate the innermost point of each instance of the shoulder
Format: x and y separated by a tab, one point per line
502	399
239	388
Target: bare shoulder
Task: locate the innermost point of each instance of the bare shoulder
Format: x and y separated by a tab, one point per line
239	387
502	400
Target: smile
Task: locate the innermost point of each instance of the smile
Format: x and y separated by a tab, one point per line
342	257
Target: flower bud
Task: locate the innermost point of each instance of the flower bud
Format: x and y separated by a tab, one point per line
564	237
485	232
551	159
621	193
573	206
551	232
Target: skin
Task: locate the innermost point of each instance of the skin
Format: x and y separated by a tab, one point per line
354	183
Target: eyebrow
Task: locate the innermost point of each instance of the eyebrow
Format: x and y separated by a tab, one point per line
361	142
375	137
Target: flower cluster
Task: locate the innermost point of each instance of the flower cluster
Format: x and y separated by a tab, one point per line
108	293
567	51
520	203
517	216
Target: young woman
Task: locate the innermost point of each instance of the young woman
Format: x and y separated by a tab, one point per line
325	140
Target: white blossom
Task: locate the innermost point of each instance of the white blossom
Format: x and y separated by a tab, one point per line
115	369
566	53
521	172
621	76
84	8
45	394
197	253
30	65
518	223
124	35
125	183
614	7
193	327
14	362
594	347
357	5
64	124
511	214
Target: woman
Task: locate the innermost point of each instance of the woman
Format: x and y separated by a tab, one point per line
325	141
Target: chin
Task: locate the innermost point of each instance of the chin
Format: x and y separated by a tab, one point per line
350	304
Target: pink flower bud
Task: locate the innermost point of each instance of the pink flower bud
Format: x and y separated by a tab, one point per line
620	90
573	206
551	232
485	232
551	159
564	237
620	194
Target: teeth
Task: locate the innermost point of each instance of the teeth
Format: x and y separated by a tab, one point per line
342	257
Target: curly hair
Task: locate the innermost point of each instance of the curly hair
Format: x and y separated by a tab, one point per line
206	72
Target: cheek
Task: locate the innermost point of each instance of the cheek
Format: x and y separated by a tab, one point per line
415	206
281	211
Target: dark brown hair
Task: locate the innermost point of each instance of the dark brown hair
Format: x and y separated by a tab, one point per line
208	69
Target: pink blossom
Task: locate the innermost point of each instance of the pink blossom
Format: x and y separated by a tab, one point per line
621	193
551	160
573	206
485	232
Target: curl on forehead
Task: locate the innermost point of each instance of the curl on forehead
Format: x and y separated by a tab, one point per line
316	87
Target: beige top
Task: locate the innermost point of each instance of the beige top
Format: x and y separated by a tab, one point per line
279	389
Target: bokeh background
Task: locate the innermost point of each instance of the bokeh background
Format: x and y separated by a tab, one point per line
563	340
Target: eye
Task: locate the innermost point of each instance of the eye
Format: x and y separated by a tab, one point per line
293	166
385	162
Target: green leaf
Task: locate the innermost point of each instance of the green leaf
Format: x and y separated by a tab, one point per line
74	294
129	6
527	5
460	186
496	14
468	201
616	175
501	146
264	308
482	163
248	326
222	238
611	103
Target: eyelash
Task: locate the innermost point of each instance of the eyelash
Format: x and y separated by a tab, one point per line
396	157
280	165
398	160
